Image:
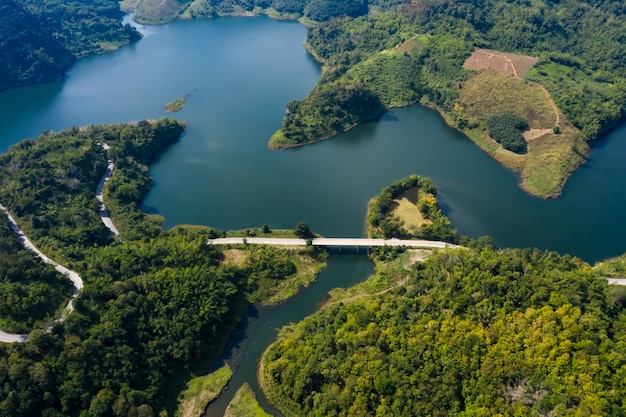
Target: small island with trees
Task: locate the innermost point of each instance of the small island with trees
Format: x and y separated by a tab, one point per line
177	104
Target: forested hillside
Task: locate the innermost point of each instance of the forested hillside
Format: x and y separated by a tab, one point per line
469	332
40	39
153	301
162	11
580	44
31	291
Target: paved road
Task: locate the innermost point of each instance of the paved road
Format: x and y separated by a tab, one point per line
104	215
333	242
73	276
617	281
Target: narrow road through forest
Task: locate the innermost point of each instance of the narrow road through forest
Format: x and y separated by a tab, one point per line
104	215
73	276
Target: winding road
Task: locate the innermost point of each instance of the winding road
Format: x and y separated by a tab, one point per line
73	276
104	215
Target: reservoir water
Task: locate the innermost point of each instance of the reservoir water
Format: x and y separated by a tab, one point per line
240	73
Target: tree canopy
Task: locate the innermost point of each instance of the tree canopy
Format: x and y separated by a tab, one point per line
152	302
578	41
40	39
470	332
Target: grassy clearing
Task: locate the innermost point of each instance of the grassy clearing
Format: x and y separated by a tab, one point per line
244	404
614	267
407	213
489	93
235	257
201	391
506	63
550	158
565	78
307	270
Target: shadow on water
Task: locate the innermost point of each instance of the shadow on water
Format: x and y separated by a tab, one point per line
233	353
446	208
389	117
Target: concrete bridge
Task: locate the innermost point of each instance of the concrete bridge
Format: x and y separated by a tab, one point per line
333	243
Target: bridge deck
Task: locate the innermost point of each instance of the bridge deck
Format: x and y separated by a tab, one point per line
332	242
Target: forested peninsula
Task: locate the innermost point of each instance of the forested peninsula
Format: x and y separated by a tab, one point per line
41	39
532	84
474	331
557	67
152	302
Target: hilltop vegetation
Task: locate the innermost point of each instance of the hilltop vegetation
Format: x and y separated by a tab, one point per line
415	52
470	332
162	11
40	39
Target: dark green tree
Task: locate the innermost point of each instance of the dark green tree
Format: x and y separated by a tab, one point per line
303	231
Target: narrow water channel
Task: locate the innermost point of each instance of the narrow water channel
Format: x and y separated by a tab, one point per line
259	326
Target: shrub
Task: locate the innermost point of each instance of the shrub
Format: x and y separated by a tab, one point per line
506	129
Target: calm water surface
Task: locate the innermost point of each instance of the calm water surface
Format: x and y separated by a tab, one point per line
240	74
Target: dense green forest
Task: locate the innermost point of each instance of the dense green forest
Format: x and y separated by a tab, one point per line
153	301
580	44
40	39
151	11
469	332
49	183
31	291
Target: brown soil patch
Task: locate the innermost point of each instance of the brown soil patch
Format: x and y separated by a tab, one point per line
234	256
516	65
533	134
416	255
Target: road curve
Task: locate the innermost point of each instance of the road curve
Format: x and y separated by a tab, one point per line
104	215
73	276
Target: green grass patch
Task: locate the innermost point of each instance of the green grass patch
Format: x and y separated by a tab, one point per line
392	76
408	214
201	390
614	267
244	404
551	73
